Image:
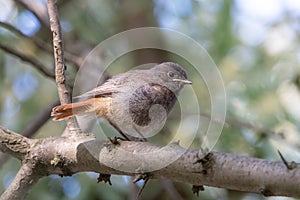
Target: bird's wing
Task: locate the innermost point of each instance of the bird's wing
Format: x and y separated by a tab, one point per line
108	88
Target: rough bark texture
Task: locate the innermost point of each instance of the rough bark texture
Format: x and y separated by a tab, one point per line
68	155
58	49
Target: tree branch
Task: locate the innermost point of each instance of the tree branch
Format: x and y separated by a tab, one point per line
58	53
60	78
69	155
32	127
42	45
29	59
28	5
26	177
13	143
36	63
39	120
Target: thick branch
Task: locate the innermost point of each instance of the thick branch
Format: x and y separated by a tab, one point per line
229	171
60	78
69	155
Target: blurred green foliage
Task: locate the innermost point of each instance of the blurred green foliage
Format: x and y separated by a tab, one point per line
257	54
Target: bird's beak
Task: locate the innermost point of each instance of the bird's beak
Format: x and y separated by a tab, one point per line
182	81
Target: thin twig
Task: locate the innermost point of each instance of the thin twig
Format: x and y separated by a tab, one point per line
142	188
289	166
36	63
38	121
28	5
42	45
11	28
58	53
60	78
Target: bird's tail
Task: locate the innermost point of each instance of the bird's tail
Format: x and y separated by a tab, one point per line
69	110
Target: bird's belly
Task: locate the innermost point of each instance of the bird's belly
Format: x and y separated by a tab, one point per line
148	102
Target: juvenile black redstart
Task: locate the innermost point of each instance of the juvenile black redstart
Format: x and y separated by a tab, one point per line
125	100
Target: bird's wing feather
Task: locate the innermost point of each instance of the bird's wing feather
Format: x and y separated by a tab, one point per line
108	88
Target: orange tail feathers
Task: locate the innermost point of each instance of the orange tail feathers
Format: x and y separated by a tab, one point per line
69	110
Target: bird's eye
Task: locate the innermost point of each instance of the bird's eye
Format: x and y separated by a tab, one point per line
171	74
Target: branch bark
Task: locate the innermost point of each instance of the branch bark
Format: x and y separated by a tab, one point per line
22	183
60	78
32	127
69	155
13	143
58	53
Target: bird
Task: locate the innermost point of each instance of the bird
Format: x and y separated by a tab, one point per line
126	100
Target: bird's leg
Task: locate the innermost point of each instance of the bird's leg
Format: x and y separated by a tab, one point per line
119	130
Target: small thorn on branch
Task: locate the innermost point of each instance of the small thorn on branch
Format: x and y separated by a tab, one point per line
197	188
105	178
266	192
289	166
138	177
206	159
114	140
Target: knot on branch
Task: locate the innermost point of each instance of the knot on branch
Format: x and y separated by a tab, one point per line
14	143
105	178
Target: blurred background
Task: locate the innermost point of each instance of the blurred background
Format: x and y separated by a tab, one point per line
255	45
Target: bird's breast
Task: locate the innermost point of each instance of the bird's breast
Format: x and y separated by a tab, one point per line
146	96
